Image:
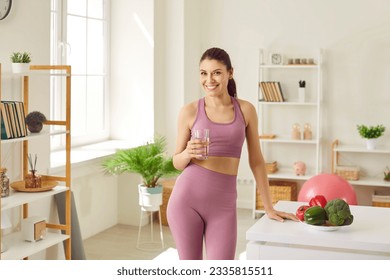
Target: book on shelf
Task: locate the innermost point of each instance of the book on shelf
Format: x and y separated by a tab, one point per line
13	124
271	91
6	132
279	91
22	118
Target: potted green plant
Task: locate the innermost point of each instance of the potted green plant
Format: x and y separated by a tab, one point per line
34	121
371	134
20	62
151	163
387	174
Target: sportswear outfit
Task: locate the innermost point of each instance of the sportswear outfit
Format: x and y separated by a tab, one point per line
203	202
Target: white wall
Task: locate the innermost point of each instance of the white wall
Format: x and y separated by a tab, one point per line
132	47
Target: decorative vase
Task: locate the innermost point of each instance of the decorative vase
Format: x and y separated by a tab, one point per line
150	199
301	94
33	180
19	68
371	143
296	132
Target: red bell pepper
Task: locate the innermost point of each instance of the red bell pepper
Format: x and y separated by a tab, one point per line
318	200
301	212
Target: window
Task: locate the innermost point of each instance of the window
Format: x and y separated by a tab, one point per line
79	32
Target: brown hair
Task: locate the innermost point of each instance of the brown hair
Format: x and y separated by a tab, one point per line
223	57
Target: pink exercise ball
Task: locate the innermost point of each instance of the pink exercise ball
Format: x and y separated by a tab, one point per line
329	185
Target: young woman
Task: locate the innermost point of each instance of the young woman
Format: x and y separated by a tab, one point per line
203	201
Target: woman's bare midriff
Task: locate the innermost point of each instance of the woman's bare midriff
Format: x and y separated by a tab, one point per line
225	165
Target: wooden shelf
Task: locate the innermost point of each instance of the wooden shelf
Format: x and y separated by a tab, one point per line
18	248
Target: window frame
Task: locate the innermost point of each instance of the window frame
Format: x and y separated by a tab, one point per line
60	49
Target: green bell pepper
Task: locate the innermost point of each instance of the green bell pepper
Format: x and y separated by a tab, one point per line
315	215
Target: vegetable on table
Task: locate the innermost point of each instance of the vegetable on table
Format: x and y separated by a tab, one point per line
301	212
338	212
315	215
319	200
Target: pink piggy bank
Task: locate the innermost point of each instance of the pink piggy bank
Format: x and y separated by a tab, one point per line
300	168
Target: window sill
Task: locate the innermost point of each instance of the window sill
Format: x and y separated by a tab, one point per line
86	155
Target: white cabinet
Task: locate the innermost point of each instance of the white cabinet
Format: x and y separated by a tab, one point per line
278	117
371	171
57	233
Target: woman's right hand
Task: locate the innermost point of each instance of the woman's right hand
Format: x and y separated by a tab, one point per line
195	148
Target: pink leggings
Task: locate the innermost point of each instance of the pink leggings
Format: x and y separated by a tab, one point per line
203	204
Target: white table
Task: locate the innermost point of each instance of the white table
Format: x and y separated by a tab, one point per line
368	237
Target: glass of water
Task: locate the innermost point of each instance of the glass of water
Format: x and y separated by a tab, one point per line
204	136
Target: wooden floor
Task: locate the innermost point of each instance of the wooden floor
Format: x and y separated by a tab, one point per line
119	242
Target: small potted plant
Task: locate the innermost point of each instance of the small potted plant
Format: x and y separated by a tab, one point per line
20	62
387	174
34	121
151	163
371	134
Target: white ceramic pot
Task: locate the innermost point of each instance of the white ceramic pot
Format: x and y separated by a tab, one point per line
150	198
371	143
19	68
301	94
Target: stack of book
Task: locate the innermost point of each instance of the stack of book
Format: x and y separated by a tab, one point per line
271	167
12	120
272	91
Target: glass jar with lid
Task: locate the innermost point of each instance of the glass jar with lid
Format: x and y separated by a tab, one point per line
4	182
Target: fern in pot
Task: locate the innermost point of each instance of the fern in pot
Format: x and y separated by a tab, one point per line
151	163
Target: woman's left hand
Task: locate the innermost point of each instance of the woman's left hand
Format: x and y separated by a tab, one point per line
281	216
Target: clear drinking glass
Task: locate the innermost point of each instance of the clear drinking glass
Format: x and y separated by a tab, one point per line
204	136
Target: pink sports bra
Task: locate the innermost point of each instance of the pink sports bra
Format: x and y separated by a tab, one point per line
226	139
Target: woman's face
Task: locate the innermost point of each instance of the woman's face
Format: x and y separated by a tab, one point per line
214	77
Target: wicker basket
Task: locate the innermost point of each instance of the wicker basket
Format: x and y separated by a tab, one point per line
279	190
348	172
271	167
381	200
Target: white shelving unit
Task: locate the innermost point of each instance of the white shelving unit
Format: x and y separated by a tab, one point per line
338	149
17	248
277	118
